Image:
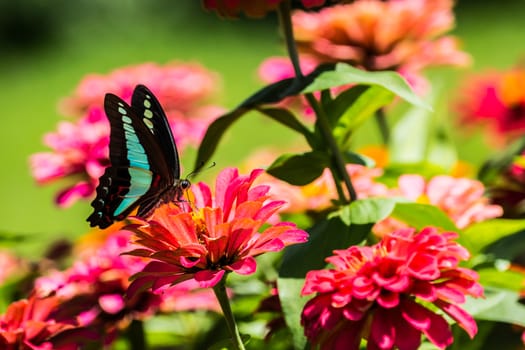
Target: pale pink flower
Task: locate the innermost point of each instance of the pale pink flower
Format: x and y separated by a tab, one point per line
462	199
383	292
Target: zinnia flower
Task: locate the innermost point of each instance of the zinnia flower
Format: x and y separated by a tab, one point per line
256	8
405	36
212	236
461	199
382	293
495	100
79	149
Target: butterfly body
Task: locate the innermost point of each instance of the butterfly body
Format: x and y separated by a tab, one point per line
145	168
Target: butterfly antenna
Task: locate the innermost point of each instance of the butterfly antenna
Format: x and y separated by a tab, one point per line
200	169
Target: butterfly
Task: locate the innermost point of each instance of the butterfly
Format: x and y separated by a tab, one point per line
145	166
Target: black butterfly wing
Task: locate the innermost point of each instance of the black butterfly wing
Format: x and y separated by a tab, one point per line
139	172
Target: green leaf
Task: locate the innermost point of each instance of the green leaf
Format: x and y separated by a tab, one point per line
214	134
286	118
478	236
336	107
292	304
498	305
358	112
345	74
299	169
505	279
325	237
356	158
421	215
276	92
367	211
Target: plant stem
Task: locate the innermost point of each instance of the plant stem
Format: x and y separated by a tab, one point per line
224	301
383	125
285	19
339	162
286	26
135	335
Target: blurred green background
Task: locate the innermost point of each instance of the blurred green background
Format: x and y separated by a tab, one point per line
46	47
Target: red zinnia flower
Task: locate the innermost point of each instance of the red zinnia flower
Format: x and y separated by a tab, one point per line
375	292
212	236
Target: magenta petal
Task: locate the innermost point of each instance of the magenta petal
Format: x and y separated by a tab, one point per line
382	330
70	195
463	319
208	278
111	303
434	326
245	266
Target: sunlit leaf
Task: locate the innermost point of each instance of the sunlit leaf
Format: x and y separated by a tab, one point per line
367	211
345	74
498	305
478	236
420	215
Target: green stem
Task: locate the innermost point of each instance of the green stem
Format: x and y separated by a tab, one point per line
339	163
383	126
285	19
224	301
136	336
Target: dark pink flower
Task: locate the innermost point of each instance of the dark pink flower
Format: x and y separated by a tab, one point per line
406	36
382	292
214	235
79	149
495	100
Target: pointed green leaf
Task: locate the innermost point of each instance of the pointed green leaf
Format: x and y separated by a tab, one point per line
345	74
214	134
367	211
278	91
499	305
336	107
479	236
421	215
299	169
286	118
357	113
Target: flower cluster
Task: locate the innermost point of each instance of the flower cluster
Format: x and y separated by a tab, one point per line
383	292
220	236
79	149
405	36
497	101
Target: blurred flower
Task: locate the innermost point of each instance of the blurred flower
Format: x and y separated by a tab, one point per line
29	324
497	101
79	149
405	36
382	293
11	266
507	189
256	8
461	199
221	236
92	290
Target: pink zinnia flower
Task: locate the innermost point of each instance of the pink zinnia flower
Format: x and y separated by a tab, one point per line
462	199
29	324
254	8
406	36
212	236
79	149
495	100
380	293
